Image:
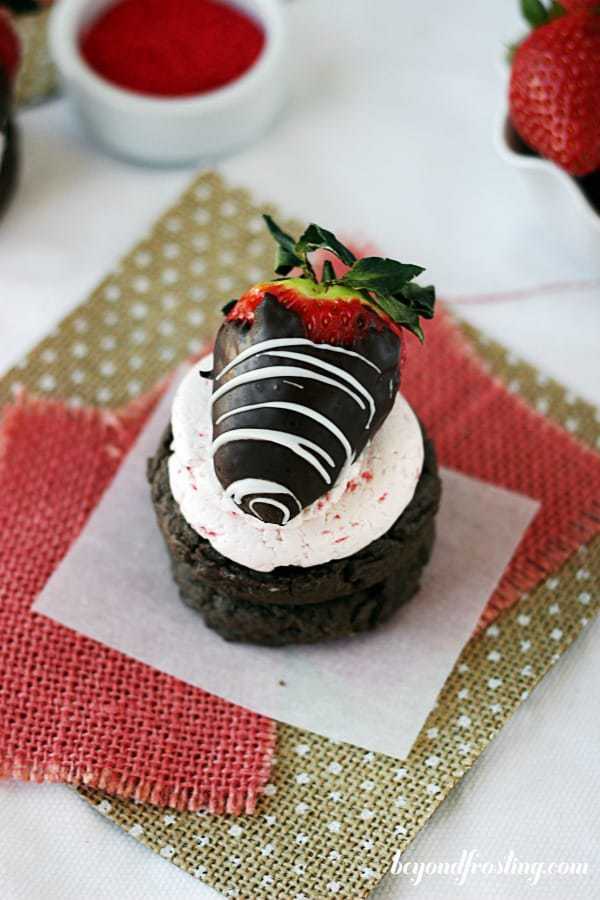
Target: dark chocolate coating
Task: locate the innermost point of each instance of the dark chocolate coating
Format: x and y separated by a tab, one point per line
264	459
9	156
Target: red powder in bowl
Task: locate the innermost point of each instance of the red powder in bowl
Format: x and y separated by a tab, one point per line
171	48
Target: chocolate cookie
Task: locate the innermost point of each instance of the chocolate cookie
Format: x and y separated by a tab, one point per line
292	604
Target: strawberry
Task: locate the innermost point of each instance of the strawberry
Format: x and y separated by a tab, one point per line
554	96
577	5
372	292
306	371
10	51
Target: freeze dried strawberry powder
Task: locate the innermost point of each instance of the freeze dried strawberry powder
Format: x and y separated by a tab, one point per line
176	48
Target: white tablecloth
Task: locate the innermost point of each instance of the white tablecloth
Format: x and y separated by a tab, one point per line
388	136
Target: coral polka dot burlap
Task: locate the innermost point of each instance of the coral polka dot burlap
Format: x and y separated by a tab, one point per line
486	431
70	708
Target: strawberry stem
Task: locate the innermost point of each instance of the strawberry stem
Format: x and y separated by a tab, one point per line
534	12
538	13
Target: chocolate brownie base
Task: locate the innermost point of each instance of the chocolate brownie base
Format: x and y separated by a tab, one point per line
292	604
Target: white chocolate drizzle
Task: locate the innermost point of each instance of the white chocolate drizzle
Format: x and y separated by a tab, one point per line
298	444
238	490
335	376
274	343
281	372
301	410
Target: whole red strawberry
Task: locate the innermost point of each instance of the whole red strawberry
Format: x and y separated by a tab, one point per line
555	91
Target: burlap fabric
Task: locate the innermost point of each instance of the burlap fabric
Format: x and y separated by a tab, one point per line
71	709
333	814
36	75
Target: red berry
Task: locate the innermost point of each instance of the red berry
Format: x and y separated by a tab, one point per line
10	50
577	5
328	321
554	91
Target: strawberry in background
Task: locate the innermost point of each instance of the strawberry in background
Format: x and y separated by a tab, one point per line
575	5
10	55
10	50
555	84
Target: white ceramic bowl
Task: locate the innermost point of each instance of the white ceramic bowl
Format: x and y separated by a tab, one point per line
172	131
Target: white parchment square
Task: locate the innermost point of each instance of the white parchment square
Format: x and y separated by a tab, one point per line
374	690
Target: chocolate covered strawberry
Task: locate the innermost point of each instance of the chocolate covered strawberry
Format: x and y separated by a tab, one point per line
554	93
307	370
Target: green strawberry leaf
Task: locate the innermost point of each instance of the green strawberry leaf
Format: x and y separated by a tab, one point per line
420	298
317	238
384	276
534	12
385	282
285	240
400	313
286	259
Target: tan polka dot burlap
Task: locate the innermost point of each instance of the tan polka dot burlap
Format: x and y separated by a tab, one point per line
36	75
333	815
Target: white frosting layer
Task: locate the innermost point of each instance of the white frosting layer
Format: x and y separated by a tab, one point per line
367	499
